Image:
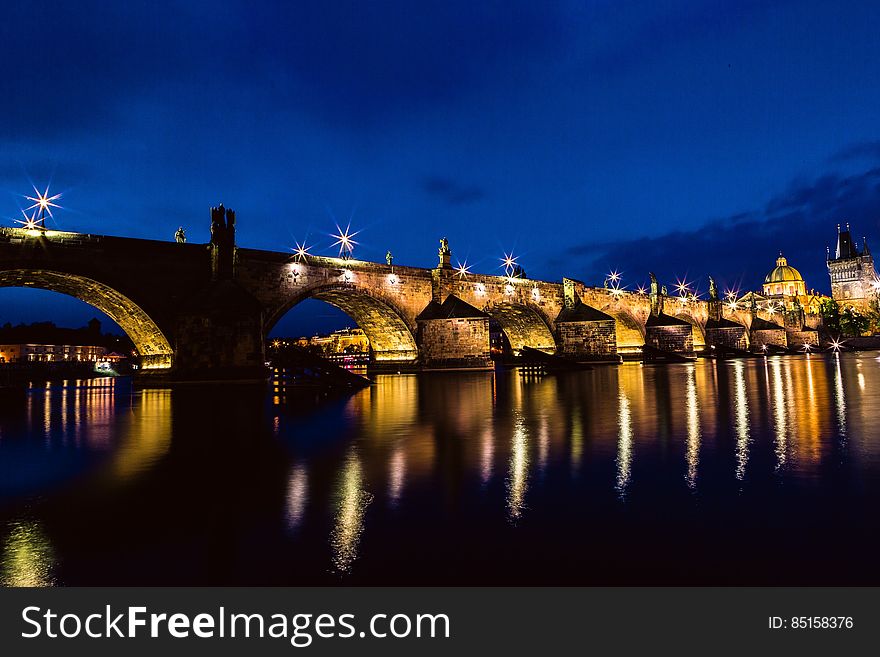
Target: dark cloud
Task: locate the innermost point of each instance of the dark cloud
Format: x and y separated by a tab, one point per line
862	151
738	250
452	192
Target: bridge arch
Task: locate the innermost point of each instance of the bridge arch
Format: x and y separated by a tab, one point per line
699	326
150	341
391	336
524	325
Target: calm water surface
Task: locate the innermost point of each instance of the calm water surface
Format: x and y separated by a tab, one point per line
744	472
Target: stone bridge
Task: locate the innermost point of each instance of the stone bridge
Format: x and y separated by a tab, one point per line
203	311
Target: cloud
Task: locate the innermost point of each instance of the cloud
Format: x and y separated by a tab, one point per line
452	192
862	151
740	249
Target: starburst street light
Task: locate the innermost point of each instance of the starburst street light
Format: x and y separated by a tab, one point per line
641	289
301	252
43	204
29	222
682	287
613	276
463	269
509	263
836	345
345	241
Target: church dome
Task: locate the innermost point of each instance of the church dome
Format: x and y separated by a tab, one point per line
783	273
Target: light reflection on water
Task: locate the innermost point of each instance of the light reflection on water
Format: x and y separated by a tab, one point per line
458	465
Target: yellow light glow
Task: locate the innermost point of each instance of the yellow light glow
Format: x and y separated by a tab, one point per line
463	269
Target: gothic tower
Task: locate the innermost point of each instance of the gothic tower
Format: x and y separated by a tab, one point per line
852	271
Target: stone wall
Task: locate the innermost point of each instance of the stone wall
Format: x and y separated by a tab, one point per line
588	338
797	339
769	337
678	338
728	336
457	342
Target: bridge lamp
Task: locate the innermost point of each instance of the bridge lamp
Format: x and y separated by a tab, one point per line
301	252
732	304
43	204
682	287
344	241
641	289
463	269
806	348
836	345
614	276
509	263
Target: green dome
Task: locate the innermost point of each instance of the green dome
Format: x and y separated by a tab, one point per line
783	273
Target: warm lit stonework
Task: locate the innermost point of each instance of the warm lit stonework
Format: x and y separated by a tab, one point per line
203	311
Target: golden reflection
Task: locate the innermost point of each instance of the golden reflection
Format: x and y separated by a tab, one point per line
28	558
780	422
624	443
693	427
742	419
839	397
353	501
577	439
146	435
517	480
543	443
297	495
396	475
487	454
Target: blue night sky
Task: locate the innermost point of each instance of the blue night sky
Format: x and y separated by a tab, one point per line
685	138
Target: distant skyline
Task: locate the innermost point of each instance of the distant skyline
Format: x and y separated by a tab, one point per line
683	138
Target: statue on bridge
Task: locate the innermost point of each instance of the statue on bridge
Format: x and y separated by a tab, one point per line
656	295
713	290
180	236
445	254
389	259
223	242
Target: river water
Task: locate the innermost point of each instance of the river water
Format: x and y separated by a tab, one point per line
761	471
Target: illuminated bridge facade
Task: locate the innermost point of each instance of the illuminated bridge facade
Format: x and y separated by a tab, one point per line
203	311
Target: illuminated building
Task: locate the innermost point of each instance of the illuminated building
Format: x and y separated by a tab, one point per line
47	353
784	280
784	290
853	278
